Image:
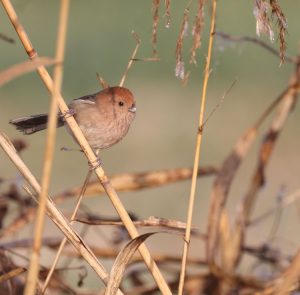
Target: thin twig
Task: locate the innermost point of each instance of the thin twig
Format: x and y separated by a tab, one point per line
78	135
197	151
261	43
285	201
131	60
102	82
217	105
33	271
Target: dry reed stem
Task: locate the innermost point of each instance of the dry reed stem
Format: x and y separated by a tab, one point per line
11	274
121	182
128	182
266	150
87	150
288	99
33	271
103	252
63	242
152	221
53	213
228	170
285	281
197	151
131	60
221	188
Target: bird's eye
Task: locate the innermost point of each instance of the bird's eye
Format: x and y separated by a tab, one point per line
121	103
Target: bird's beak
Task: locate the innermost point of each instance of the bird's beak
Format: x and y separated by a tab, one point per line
132	109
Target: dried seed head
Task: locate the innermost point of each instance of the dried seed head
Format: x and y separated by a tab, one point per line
197	30
155	7
168	14
179	70
266	11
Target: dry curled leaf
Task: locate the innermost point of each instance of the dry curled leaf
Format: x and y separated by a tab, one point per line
121	261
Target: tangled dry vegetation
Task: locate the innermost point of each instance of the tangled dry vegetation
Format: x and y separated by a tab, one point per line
224	240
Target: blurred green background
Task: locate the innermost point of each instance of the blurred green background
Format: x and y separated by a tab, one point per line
163	134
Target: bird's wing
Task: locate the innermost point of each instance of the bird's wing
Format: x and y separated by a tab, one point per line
88	99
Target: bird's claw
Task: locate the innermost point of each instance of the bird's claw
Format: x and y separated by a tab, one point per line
67	114
95	164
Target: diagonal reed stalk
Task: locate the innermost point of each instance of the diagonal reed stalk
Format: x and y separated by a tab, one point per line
32	277
138	44
42	71
57	80
56	216
197	151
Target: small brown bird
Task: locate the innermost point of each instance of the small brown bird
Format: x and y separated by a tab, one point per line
103	117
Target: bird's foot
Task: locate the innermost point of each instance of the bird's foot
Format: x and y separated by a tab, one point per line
67	114
95	164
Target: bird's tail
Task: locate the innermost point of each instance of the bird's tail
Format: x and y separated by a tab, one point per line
35	123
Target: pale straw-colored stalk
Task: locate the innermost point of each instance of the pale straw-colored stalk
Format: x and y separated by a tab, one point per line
187	237
93	160
32	277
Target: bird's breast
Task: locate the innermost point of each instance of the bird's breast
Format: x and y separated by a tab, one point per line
101	129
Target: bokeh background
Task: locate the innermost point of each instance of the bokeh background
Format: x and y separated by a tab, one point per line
163	134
